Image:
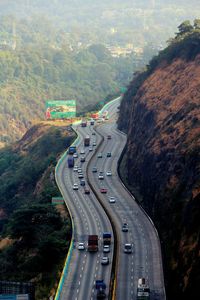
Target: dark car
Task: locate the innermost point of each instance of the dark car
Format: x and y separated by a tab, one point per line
125	227
87	191
94	169
103	190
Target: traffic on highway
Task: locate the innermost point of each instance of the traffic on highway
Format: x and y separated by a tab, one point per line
116	250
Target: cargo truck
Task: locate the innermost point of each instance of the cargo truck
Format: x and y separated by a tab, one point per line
95	116
87	141
106	238
70	162
143	291
92	243
72	150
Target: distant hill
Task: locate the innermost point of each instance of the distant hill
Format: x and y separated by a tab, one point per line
161	114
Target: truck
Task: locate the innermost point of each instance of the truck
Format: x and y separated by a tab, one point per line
70	162
87	141
100	287
106	238
93	243
72	150
95	116
84	123
143	291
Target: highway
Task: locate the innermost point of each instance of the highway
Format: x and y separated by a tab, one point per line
89	218
145	260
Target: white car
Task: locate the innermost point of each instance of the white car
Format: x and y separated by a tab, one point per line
94	144
101	175
81	246
112	199
99	155
82	151
90	149
75	186
106	249
104	260
79	170
75	169
128	248
75	155
109	173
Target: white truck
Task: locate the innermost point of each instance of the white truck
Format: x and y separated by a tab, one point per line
143	291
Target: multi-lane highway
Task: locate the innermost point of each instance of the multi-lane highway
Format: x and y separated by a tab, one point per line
145	260
89	218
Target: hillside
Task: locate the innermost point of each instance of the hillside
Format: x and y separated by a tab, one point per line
34	235
162	158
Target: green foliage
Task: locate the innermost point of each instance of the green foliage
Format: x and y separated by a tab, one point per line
185	27
40	236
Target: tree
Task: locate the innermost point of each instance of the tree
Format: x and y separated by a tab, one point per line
185	27
197	23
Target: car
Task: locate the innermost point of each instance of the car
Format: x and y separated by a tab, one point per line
75	168
128	248
109	137
94	144
82	182
103	190
93	133
90	148
80	170
125	227
87	191
99	155
82	159
112	199
106	249
109	154
75	155
109	173
81	246
80	175
94	169
82	151
101	175
105	260
75	186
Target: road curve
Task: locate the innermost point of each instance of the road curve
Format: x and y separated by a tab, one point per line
146	259
89	218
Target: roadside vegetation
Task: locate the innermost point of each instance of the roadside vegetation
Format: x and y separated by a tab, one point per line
34	235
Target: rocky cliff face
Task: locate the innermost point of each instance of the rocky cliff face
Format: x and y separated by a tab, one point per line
161	115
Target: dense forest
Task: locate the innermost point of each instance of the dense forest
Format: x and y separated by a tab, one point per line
33	75
34	235
52	50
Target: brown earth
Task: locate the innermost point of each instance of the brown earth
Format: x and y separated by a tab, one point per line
162	119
